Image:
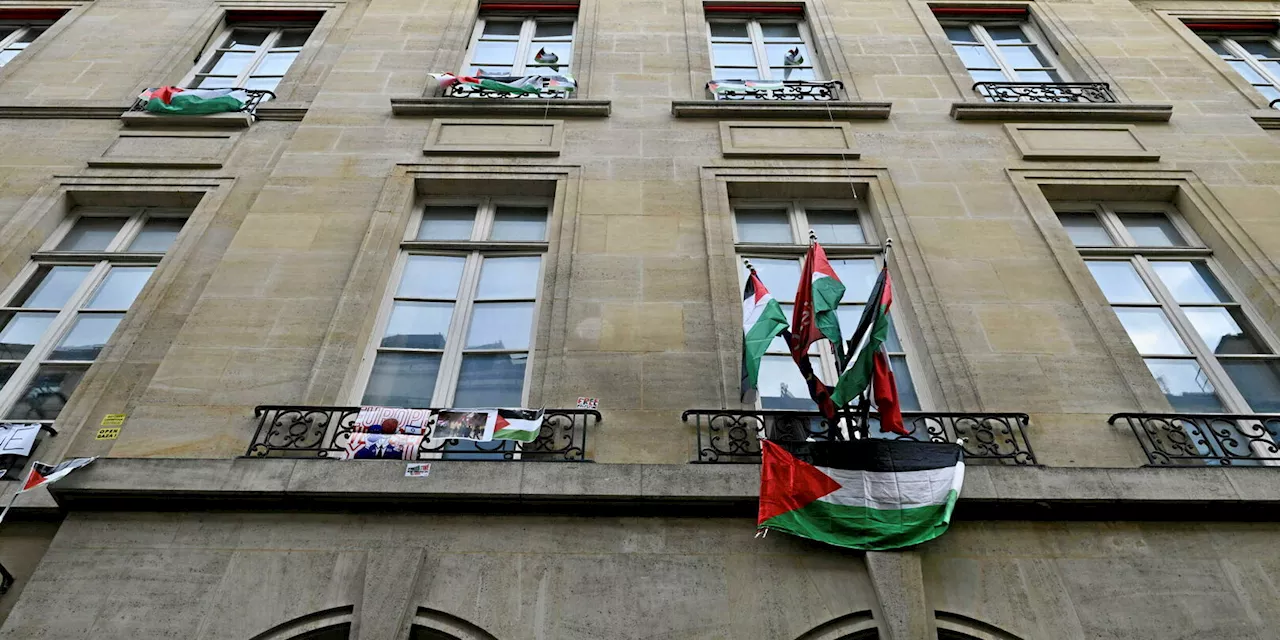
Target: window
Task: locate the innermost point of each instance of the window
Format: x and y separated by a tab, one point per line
251	54
521	45
773	235
1255	56
761	49
20	27
1003	52
458	324
62	311
1206	349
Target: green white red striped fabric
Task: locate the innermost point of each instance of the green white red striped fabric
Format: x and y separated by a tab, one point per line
193	101
762	321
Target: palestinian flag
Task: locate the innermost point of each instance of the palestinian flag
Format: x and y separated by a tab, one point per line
762	321
523	425
861	494
872	364
730	87
193	101
42	473
514	85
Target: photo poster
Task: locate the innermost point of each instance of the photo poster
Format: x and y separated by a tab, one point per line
389	420
465	424
381	446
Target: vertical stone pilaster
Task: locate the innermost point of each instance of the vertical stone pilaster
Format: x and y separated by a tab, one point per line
898	582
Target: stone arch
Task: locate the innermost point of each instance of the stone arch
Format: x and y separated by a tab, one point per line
329	624
953	626
429	624
858	625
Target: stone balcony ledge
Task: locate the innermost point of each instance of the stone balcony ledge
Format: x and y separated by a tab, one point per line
557	108
781	109
990	492
1061	112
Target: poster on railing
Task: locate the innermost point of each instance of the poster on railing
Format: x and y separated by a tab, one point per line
18	439
381	446
465	424
394	420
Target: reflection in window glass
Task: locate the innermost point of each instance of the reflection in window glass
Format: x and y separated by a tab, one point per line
447	223
55	287
402	380
87	337
1185	385
519	224
1190	282
21	332
1258	381
1085	230
431	277
781	385
836	227
120	288
1152	230
491	380
1119	282
91	234
506	278
764	226
47	393
157	235
418	325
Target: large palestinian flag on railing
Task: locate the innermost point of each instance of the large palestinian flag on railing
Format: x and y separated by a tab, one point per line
193	101
861	494
514	85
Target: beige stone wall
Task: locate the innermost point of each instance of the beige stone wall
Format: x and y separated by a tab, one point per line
645	312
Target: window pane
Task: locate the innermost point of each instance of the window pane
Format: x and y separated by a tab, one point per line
6	372
781	385
1152	230
553	30
275	64
1151	332
733	54
157	235
1222	330
120	288
773	30
1084	229
264	84
245	39
763	225
7	55
779	276
513	224
509	278
1119	281
491	380
55	286
229	63
858	276
1024	57
908	399
21	332
729	30
217	83
447	223
1259	48
1039	76
1258	381
1185	385
988	76
495	53
402	380
87	337
1246	72
836	227
47	393
1190	282
976	57
431	277
1007	35
293	38
1219	48
736	73
91	234
418	325
500	325
960	34
502	27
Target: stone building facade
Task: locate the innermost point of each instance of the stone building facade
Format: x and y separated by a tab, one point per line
1081	196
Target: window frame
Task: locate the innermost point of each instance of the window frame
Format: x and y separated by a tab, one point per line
277	29
1140	257
100	262
796	250
1231	43
756	36
524	42
978	28
21	27
474	250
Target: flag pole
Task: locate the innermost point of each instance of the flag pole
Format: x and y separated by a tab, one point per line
864	404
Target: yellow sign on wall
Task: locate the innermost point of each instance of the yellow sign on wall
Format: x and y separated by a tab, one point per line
108	433
113	420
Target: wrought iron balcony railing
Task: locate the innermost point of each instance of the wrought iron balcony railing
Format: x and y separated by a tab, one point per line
1272	104
324	432
785	90
253	98
727	436
1173	439
1045	91
477	92
11	466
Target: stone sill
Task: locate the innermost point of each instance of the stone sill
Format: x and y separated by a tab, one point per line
42	112
1060	112
990	492
1266	118
502	108
833	110
136	119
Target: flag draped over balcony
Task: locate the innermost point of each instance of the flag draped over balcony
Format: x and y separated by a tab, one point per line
762	321
871	366
514	85
193	101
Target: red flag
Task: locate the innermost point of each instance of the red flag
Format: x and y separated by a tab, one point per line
804	324
885	390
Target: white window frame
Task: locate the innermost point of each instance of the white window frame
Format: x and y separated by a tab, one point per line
1126	249
22	27
529	26
796	250
101	262
474	250
979	30
756	35
277	30
1232	44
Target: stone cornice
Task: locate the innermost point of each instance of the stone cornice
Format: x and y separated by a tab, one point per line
779	110
567	108
1060	112
990	492
60	112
